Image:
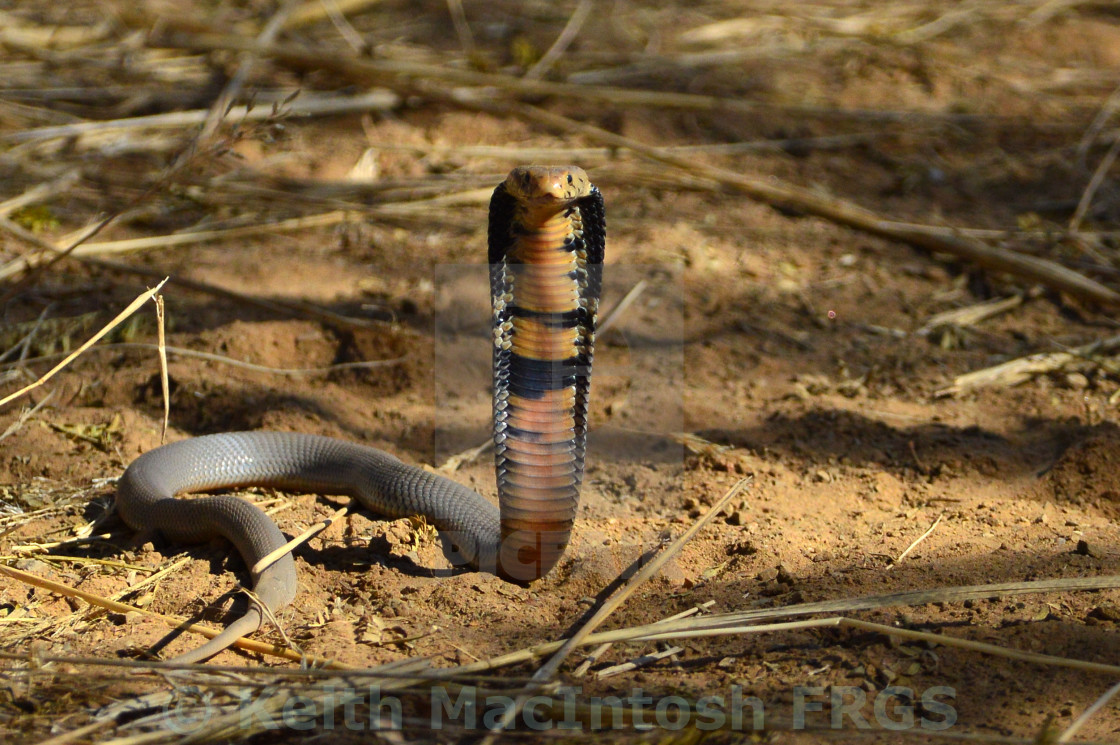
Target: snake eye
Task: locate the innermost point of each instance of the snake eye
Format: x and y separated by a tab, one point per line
569	178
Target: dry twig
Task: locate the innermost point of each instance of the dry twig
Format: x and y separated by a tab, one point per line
970	315
566	37
222	359
175	623
1020	370
917	541
321	105
274	556
546	672
1094	183
789	197
132	307
164	383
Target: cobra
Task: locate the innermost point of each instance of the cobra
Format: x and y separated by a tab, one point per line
547	234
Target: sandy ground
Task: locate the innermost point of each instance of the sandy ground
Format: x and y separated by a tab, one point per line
787	343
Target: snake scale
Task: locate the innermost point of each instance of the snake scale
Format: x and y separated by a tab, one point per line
547	234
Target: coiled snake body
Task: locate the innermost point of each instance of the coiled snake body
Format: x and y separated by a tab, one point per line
546	241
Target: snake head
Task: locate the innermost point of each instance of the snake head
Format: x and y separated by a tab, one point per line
547	185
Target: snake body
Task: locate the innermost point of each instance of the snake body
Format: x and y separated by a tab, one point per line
546	242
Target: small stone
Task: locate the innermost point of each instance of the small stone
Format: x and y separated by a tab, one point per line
738	517
770	589
1084	548
1106	612
742	548
33	566
1077	381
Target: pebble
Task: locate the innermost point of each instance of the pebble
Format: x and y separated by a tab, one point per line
1106	612
1084	548
1077	381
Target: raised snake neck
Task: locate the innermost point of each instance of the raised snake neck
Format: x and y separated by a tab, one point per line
546	240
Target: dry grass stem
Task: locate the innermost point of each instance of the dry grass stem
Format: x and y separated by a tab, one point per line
40	193
710	626
46	261
715	625
1020	370
786	196
610	318
345	30
972	314
151	579
1093	131
920	636
646	659
305	106
994	650
1075	726
34	548
591	659
290	308
599	651
80	733
179	239
164	382
524	154
736	619
920	538
563	41
225	100
327	219
87	560
462	28
936	27
25	415
547	671
178	624
313	11
1094	183
282	307
132	307
271	558
18	33
407	76
470	455
222	359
